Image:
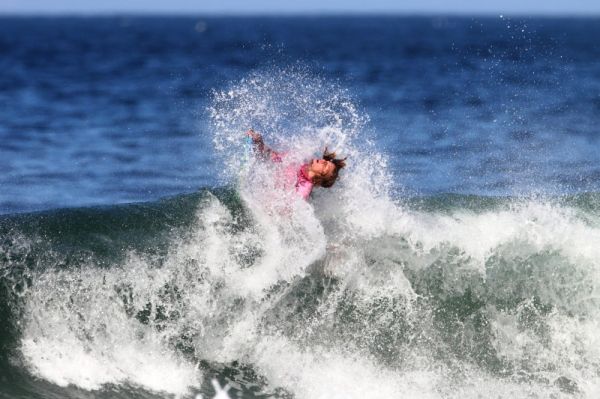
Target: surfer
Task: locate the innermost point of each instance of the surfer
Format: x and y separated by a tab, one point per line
321	172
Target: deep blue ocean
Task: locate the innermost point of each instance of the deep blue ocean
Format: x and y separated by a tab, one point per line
113	109
143	253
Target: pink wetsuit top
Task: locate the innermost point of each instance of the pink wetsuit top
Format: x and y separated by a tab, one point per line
303	184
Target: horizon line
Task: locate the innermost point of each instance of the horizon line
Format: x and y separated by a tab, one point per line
304	13
312	13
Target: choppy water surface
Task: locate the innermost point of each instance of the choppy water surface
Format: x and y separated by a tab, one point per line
457	256
110	110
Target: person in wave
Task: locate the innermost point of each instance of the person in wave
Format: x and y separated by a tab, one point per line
317	172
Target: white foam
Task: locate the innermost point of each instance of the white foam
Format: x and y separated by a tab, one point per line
535	224
77	332
566	348
67	360
319	373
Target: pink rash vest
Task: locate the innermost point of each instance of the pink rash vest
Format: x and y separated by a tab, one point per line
303	184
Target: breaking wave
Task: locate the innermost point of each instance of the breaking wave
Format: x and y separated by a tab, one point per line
362	292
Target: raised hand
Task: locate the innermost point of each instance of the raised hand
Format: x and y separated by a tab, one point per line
256	137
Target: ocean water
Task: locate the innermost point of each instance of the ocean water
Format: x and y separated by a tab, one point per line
145	253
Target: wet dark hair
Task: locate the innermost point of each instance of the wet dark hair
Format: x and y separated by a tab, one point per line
338	163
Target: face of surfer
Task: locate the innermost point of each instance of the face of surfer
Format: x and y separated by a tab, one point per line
322	168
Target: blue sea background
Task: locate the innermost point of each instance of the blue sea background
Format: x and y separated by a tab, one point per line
107	110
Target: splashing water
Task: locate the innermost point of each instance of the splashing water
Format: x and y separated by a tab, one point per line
294	111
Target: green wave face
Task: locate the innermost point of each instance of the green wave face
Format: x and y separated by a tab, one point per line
446	296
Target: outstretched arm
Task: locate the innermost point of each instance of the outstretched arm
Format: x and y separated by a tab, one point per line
261	148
